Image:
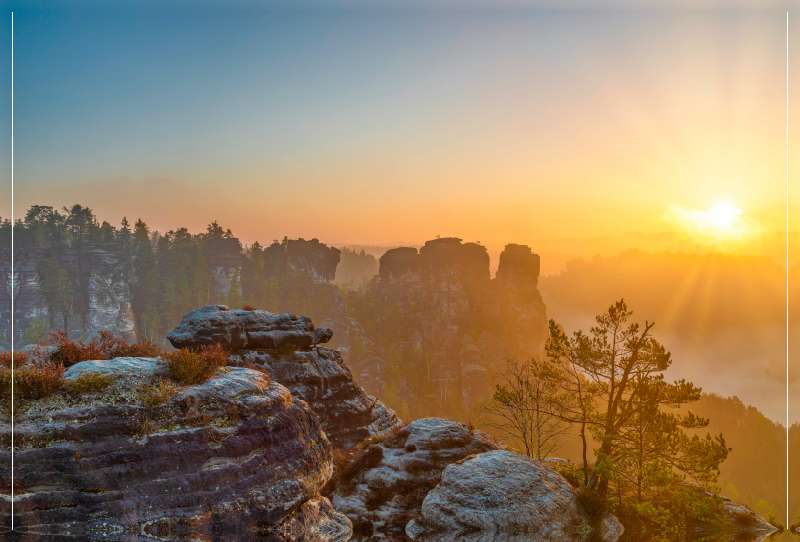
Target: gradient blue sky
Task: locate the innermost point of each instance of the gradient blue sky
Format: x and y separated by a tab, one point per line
397	124
387	121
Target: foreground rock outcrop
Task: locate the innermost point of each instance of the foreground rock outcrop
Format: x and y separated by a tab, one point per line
285	347
391	477
236	454
505	492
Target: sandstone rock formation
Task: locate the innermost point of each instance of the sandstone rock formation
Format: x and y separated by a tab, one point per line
504	492
455	317
237	329
748	521
404	467
319	376
223	257
281	345
105	300
315	521
236	455
313	257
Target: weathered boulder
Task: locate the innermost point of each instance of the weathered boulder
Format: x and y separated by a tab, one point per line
319	376
748	521
237	329
394	473
236	454
505	492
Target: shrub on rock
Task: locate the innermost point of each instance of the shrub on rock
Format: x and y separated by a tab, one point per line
68	352
193	366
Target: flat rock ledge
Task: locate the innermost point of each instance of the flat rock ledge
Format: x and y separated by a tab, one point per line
236	329
235	455
400	469
504	492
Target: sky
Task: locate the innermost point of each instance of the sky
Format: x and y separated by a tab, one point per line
394	125
562	125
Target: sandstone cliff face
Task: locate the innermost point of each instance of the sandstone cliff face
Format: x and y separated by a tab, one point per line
102	303
286	347
456	317
224	257
28	302
236	456
316	258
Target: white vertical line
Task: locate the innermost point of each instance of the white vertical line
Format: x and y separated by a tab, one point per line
12	270
788	519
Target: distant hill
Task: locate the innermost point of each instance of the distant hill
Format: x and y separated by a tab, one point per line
557	252
721	315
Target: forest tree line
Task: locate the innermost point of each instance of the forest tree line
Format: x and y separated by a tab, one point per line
169	276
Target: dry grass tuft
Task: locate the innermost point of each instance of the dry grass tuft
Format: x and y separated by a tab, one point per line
157	395
89	381
31	382
189	366
348	467
396	438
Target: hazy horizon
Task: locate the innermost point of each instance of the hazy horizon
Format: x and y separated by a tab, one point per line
500	127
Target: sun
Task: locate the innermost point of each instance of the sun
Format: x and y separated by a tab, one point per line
722	220
722	216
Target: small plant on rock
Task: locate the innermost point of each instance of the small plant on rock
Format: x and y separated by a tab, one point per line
396	438
772	520
348	467
20	359
69	352
593	503
189	366
31	382
89	381
158	394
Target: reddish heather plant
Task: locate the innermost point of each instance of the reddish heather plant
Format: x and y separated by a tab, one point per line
69	352
31	382
20	358
189	366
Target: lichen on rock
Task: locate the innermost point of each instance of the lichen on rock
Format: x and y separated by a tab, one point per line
389	489
237	329
504	492
235	454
